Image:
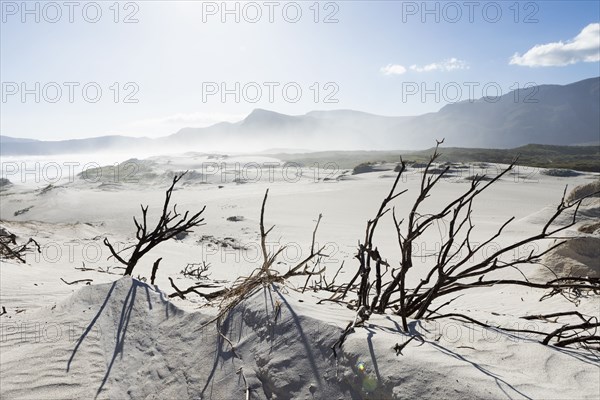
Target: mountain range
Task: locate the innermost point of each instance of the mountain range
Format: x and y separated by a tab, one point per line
554	114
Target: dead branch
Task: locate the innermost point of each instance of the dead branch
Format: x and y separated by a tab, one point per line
362	315
248	390
571	331
585	340
573	293
226	339
399	347
84	268
192	289
265	275
455	268
170	224
87	281
483	324
11	250
196	270
546	317
154	269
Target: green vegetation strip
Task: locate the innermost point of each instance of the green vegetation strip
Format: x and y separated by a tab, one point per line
579	158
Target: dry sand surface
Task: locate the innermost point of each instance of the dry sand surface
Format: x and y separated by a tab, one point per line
122	338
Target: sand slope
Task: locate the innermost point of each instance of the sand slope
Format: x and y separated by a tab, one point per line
120	338
125	340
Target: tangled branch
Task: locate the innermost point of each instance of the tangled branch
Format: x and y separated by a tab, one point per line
11	250
170	224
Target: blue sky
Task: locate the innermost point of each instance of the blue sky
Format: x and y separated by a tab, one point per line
178	56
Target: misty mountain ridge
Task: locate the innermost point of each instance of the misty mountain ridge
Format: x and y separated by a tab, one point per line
545	114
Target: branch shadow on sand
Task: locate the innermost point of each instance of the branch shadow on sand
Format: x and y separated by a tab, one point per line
223	354
415	329
90	326
303	338
220	354
122	328
497	379
128	305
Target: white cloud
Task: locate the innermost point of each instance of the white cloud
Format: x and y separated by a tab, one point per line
195	119
450	64
585	47
393	69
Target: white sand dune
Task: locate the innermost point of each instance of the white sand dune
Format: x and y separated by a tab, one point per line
579	256
126	340
122	338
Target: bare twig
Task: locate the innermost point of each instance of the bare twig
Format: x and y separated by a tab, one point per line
170	224
154	269
87	281
455	266
11	250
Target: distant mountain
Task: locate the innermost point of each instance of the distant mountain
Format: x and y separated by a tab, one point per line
15	146
8	139
546	114
322	129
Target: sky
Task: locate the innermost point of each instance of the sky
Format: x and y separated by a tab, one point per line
149	68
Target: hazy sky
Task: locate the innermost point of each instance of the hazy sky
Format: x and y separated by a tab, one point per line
164	65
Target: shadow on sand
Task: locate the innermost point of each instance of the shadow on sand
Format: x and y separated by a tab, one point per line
124	319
